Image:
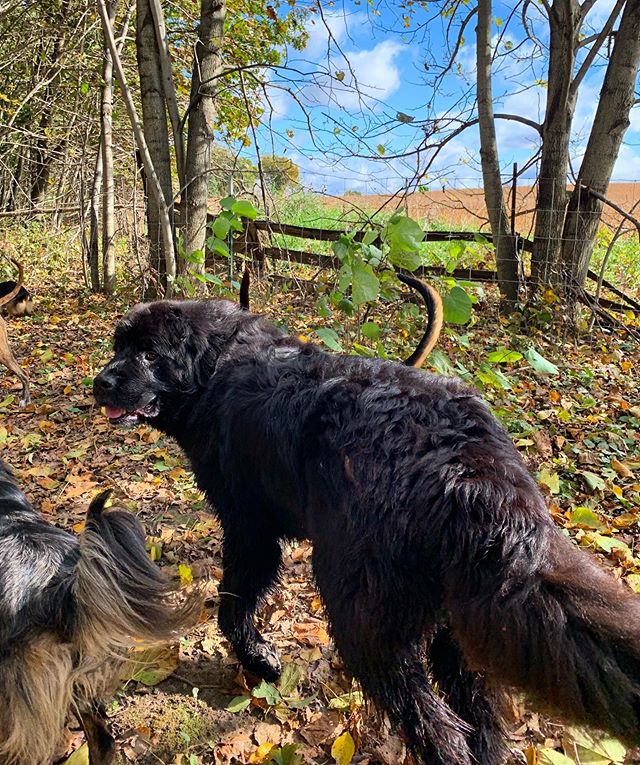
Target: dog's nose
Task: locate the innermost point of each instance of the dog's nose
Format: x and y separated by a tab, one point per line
104	382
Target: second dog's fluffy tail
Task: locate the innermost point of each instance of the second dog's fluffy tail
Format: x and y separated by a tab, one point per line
122	597
534	611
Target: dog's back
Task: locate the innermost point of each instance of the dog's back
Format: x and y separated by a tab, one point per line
21	304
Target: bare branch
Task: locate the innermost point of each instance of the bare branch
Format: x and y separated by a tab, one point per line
595	48
610	203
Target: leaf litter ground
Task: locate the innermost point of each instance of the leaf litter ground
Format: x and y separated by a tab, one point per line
190	704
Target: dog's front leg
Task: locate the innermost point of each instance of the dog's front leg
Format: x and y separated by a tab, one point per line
99	740
251	557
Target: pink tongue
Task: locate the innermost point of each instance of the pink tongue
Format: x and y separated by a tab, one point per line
113	413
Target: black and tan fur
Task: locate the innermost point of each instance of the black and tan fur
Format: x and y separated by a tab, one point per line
70	607
7	358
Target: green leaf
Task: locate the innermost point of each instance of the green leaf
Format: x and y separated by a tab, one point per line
330	338
407	260
220	227
493	377
503	356
268	692
609	543
403	234
586	518
365	284
244	209
381	149
291	675
539	363
238	703
370	236
593	481
549	479
227	203
347	701
371	330
219	246
84	88
212	278
595	750
285	755
441	363
480	239
457	306
551	757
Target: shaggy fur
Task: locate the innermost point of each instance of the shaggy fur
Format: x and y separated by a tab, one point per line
432	545
69	608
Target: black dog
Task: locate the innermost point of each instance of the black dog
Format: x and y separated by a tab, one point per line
69	608
431	540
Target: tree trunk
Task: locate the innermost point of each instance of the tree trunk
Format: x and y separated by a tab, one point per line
564	24
94	217
41	154
154	120
504	241
108	190
207	64
167	231
609	126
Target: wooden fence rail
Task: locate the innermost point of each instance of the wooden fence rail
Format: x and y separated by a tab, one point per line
251	246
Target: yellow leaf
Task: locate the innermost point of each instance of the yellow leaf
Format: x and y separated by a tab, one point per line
343	749
532	755
155	551
79	757
262	752
67	390
186	575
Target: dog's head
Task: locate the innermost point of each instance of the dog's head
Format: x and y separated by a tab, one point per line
164	351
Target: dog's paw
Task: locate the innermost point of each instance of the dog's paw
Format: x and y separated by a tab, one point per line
261	660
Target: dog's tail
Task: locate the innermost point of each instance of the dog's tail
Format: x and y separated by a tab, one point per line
245	286
534	611
122	598
435	318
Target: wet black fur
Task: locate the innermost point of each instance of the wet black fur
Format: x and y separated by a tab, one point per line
433	550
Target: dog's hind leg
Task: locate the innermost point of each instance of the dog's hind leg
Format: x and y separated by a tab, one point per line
251	557
379	635
467	695
9	361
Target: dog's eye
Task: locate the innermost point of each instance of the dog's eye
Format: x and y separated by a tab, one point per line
149	356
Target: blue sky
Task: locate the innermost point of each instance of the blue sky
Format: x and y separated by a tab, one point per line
387	59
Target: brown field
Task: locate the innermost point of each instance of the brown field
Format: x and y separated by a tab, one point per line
465	207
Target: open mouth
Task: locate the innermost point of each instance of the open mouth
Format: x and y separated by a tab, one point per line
119	416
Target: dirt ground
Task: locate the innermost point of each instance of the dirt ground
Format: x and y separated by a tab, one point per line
205	711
